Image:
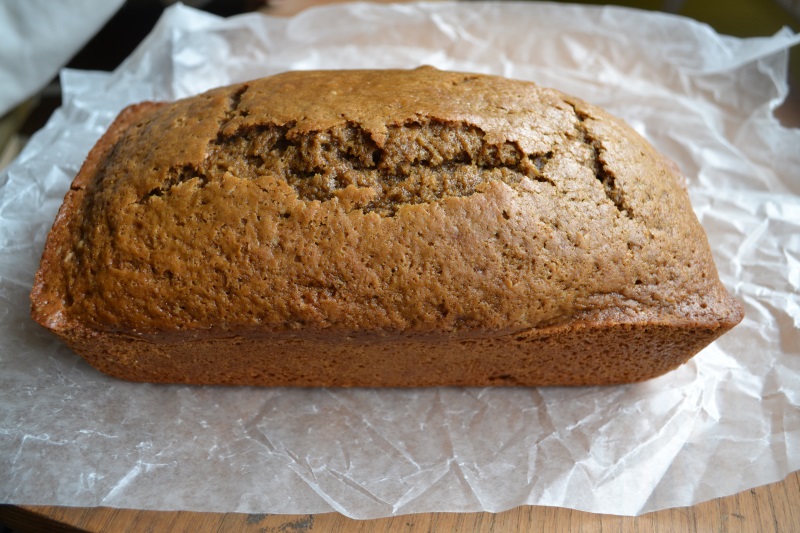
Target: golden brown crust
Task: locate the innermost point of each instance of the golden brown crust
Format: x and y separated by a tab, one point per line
586	354
336	225
47	296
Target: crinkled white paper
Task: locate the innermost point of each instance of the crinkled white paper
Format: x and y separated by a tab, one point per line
726	421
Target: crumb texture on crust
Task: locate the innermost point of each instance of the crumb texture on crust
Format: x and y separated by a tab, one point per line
389	202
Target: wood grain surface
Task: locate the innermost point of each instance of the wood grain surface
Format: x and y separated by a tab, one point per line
774	507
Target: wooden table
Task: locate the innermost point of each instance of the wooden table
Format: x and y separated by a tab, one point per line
774	507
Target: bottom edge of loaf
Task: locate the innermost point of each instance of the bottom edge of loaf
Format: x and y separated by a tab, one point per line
560	356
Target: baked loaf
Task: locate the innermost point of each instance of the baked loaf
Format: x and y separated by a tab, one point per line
383	229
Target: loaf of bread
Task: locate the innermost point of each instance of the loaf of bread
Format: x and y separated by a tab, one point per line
379	229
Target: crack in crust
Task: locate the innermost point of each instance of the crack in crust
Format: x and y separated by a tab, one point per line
235	99
419	162
601	171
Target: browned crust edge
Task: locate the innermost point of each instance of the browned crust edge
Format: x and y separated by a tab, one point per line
591	354
47	304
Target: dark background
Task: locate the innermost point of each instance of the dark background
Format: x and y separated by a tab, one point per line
743	18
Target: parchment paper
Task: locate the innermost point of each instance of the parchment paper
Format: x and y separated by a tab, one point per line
726	421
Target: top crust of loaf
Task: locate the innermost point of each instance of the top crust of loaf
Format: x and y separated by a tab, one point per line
419	203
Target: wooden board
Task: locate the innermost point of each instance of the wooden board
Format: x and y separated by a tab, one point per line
774	507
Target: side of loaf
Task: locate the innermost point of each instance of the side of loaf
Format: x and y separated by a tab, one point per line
382	229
